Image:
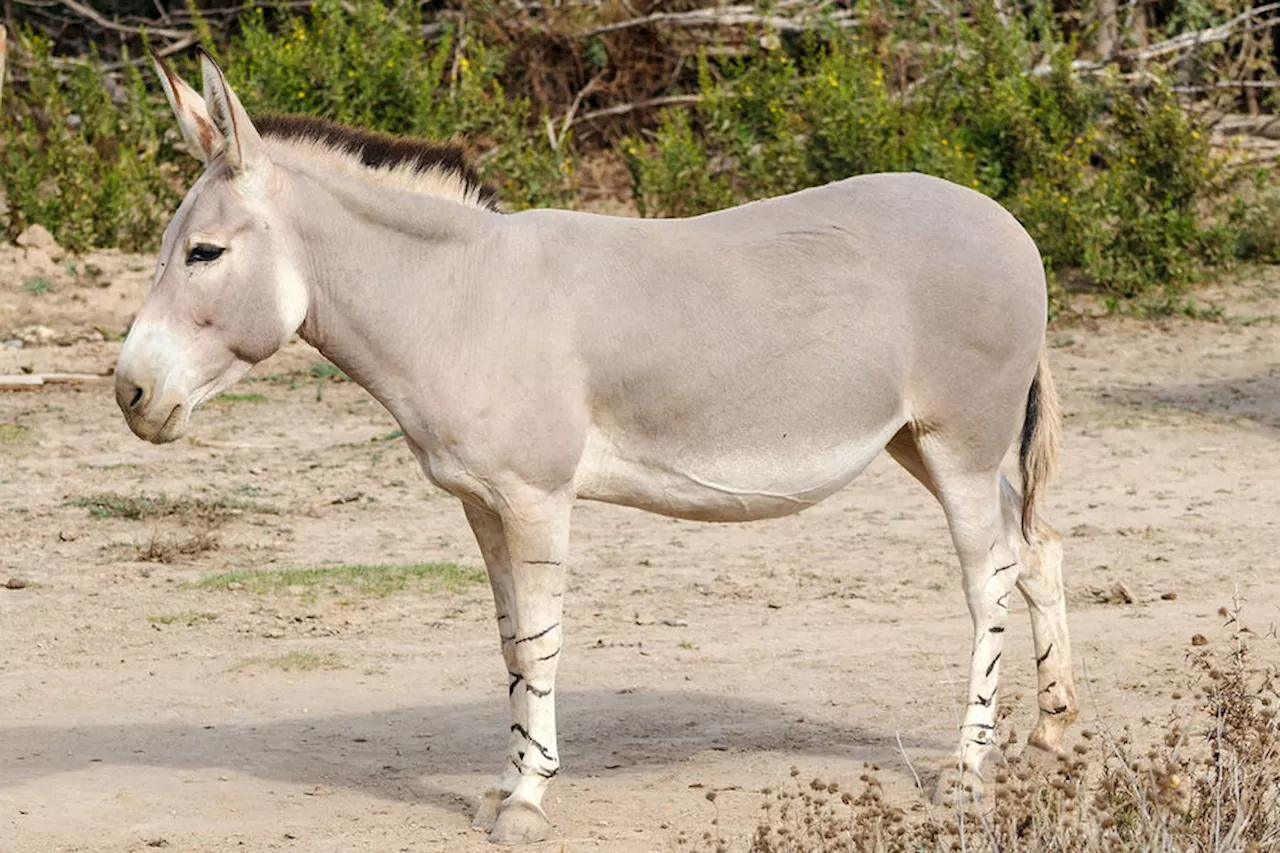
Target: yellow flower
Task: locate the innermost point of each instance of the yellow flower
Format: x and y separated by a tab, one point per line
831	79
1195	134
1062	199
301	95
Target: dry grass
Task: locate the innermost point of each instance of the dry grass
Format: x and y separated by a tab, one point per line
186	618
1211	785
362	580
174	549
297	660
187	510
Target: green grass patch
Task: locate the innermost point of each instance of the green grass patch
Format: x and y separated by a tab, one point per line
142	507
13	432
186	618
375	581
37	286
325	370
296	660
250	397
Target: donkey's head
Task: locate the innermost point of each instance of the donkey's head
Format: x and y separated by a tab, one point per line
228	291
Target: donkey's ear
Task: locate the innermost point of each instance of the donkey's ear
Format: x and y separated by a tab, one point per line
244	146
198	131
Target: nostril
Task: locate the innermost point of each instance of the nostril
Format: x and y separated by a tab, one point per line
137	398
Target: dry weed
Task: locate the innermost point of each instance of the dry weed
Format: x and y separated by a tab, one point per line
1210	785
173	549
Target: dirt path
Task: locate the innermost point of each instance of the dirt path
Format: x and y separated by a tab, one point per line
142	710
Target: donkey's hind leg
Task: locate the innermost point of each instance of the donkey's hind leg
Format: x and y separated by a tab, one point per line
1040	582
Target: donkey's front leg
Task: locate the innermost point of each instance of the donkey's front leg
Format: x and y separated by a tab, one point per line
491	538
537	544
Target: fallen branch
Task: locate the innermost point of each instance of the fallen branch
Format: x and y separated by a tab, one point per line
623	109
728	16
1210	35
1180	43
32	381
2	54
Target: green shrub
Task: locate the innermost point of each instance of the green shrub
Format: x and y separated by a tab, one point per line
1118	186
94	173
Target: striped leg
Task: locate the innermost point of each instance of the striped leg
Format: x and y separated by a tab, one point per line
989	562
487	528
1040	583
537	544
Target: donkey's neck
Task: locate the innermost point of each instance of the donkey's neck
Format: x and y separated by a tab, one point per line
387	277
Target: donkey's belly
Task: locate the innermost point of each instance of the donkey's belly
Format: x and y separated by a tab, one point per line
731	484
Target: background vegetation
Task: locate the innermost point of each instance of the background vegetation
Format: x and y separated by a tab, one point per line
1100	129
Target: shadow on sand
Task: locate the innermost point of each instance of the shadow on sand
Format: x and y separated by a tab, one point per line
1253	398
394	754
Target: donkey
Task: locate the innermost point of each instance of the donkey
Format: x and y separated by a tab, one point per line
735	366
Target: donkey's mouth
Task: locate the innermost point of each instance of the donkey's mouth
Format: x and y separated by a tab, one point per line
172	428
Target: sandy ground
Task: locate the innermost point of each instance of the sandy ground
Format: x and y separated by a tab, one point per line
139	710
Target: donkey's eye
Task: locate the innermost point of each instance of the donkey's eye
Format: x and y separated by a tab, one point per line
202	253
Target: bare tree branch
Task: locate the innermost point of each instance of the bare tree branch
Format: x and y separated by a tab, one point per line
107	24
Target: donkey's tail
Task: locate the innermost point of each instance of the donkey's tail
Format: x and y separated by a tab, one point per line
1041	436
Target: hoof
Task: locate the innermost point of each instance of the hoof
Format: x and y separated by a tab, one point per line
520	823
1049	731
953	785
487	813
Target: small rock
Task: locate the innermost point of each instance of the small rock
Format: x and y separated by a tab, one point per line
35	335
645	619
36	237
15	583
675	623
1199	640
235	586
1169	596
67	537
273	634
1117	594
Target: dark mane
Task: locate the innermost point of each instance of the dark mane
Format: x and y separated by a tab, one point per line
379	150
